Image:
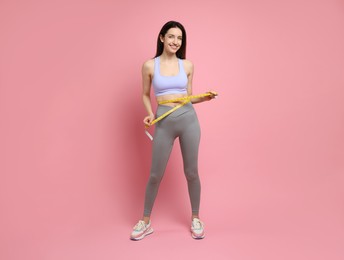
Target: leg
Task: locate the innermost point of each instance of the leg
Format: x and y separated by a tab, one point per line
189	143
162	147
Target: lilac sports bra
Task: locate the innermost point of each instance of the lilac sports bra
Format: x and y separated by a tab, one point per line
163	85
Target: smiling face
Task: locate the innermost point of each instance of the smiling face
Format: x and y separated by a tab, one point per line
172	40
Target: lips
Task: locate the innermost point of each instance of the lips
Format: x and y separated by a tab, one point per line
174	47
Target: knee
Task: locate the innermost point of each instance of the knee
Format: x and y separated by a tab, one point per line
154	179
191	175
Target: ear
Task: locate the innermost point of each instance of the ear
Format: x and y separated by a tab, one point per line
161	38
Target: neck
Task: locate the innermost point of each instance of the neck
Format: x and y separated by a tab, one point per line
168	56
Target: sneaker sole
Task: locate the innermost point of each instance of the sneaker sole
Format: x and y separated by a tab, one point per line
148	232
197	237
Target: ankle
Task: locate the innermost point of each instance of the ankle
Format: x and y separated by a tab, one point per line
146	220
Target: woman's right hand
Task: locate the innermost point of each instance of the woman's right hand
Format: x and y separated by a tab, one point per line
148	120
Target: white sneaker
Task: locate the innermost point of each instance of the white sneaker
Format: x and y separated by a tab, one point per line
140	230
197	229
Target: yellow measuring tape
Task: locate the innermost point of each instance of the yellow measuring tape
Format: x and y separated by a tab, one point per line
183	100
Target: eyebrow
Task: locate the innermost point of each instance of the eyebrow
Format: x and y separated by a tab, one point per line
170	34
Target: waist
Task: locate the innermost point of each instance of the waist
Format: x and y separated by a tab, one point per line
171	100
161	109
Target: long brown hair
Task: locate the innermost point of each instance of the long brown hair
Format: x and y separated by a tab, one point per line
181	53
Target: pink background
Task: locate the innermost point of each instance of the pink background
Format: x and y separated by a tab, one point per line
75	160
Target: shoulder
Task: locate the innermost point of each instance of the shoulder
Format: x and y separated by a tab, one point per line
188	65
148	64
148	67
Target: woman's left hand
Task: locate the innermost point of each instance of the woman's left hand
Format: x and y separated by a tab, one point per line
212	95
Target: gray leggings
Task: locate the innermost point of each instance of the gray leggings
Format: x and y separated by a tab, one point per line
182	123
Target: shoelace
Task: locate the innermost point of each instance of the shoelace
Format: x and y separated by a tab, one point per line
141	224
197	224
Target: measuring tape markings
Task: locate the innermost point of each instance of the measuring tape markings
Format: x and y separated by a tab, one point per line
185	100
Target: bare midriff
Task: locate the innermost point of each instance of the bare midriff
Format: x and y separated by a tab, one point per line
170	97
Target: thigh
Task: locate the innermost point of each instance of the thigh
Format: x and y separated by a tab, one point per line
190	139
162	147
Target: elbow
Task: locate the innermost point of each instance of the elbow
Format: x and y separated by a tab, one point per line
145	97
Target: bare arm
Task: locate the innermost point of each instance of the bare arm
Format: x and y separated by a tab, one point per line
147	69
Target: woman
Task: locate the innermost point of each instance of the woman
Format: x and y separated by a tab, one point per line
170	74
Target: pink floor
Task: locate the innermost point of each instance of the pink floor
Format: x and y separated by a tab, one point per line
299	226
